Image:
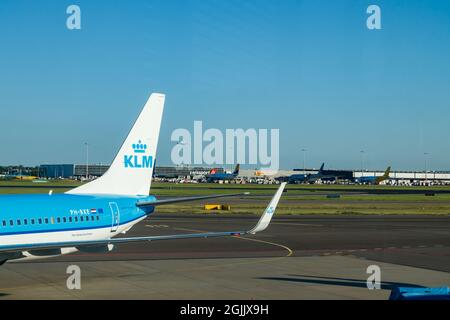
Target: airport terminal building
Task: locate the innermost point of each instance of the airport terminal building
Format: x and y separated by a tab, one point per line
68	171
80	171
77	171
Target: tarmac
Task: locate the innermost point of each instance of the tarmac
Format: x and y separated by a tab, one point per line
298	257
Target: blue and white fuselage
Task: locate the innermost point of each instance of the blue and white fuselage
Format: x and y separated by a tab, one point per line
28	219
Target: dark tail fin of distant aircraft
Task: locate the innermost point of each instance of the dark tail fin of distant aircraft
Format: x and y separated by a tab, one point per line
384	177
321	167
236	170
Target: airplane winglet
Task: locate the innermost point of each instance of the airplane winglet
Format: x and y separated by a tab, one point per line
264	222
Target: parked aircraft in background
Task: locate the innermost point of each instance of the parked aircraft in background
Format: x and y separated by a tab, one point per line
216	176
374	179
310	178
322	174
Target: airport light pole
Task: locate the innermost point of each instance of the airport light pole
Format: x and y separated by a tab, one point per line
426	166
304	160
87	160
362	162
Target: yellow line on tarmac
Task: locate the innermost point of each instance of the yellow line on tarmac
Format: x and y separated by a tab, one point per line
290	252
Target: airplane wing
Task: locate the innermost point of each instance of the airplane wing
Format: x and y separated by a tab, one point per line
187	199
262	224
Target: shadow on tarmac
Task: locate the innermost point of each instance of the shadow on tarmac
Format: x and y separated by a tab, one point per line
344	282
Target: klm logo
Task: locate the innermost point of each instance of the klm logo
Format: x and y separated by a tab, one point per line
139	159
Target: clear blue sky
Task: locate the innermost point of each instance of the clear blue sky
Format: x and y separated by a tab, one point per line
310	68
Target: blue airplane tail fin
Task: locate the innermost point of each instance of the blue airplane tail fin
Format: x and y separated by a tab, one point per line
132	169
